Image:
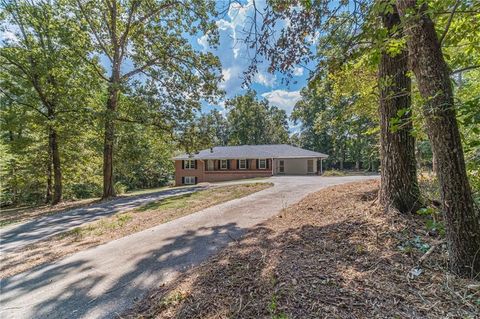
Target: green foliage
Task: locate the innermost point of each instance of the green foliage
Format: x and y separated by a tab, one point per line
333	172
120	188
339	120
255	122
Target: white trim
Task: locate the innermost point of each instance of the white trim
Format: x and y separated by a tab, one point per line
221	164
190	163
240	164
189	180
264	162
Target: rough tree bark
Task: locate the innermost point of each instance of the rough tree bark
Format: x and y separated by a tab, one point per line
399	186
49	190
112	101
461	218
57	171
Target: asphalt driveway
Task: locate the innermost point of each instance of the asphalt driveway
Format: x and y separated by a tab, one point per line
103	281
19	235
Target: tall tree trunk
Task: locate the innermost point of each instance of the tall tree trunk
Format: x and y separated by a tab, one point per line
57	171
462	221
49	191
399	186
108	189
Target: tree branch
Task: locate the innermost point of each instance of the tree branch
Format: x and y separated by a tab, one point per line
23	103
449	21
471	67
94	31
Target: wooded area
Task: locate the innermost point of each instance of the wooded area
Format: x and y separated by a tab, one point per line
96	97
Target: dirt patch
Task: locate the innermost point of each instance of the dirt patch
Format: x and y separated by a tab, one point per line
335	254
120	225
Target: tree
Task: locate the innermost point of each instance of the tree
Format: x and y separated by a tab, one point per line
42	72
255	122
462	219
399	186
147	40
343	32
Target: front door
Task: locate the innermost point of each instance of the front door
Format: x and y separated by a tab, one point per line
211	165
281	166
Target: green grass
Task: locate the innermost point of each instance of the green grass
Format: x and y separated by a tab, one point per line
334	172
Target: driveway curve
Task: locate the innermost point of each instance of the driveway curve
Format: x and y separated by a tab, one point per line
19	235
104	281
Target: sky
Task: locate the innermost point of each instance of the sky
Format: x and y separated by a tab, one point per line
234	57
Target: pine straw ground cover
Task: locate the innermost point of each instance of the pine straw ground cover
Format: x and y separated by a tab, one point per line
335	254
120	225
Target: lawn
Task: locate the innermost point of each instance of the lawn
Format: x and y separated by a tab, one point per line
120	225
335	254
11	215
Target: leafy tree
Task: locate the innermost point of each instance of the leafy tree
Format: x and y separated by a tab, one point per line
433	77
255	122
42	73
147	40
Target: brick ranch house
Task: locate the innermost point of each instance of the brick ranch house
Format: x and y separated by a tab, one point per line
224	163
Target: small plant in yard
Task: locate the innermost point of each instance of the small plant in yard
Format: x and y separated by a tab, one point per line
273	309
433	224
333	172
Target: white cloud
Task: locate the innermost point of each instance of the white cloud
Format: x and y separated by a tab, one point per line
8	36
203	41
283	99
265	79
298	71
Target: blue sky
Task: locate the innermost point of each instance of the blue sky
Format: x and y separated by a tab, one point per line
234	56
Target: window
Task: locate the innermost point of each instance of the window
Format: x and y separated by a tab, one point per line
262	164
223	164
310	166
242	164
189	164
189	180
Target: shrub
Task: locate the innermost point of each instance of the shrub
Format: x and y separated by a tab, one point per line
120	188
333	172
83	190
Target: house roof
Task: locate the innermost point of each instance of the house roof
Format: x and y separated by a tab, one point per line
252	151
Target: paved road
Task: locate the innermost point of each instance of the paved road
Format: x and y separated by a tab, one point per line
104	281
19	235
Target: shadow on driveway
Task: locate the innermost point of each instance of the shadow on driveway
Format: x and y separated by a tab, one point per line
82	288
18	236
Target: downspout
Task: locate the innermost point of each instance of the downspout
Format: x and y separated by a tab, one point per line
272	167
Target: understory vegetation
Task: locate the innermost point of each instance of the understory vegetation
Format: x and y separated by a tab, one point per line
336	253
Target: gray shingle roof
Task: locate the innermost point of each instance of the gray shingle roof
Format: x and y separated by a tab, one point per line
252	151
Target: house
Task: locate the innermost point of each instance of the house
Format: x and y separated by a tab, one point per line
224	163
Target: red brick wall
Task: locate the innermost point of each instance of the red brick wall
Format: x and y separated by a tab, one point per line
221	175
180	172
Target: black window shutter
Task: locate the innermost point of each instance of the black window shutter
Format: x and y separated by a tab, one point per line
248	163
238	163
267	162
218	164
183	164
183	180
195	164
258	162
196	179
228	164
